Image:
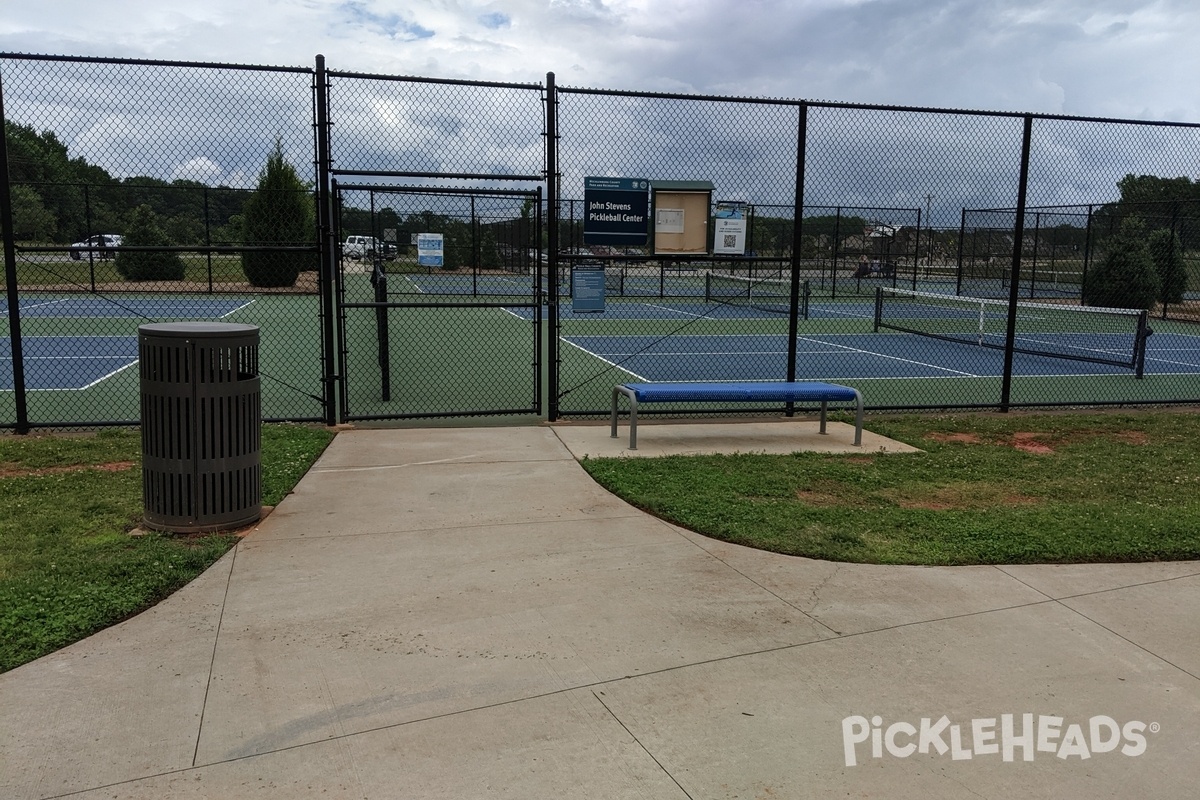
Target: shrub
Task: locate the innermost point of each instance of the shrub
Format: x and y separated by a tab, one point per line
144	230
1125	277
280	212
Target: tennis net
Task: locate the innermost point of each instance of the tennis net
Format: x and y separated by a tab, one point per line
765	294
1115	336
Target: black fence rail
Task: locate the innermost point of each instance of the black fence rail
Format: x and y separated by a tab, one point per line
428	240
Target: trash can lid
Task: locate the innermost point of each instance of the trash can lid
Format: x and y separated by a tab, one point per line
194	329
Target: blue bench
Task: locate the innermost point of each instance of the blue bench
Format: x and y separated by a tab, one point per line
776	391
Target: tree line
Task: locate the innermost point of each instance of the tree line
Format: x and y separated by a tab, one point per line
60	199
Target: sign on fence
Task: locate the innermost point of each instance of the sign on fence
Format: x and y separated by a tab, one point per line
729	229
615	211
429	250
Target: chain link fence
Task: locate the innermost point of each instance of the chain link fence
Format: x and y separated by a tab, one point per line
155	192
414	247
894	285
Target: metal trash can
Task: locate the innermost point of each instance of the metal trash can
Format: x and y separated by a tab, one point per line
201	426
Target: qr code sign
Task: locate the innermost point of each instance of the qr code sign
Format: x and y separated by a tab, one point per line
730	240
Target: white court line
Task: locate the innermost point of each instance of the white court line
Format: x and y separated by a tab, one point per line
1171	361
247	304
893	358
687	353
605	360
508	310
36	305
674	311
834	311
106	377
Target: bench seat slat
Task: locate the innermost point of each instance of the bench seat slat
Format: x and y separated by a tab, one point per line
733	392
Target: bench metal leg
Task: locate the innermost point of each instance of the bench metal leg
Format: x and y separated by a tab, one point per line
858	418
617	392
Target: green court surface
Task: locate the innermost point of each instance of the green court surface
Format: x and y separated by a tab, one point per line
446	357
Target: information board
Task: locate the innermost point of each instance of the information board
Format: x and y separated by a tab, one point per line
429	249
587	289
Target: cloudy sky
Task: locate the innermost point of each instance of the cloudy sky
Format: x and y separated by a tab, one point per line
1118	58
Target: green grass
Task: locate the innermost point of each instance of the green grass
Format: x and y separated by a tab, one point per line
221	267
1102	487
68	566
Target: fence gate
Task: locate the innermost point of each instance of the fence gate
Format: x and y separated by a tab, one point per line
440	301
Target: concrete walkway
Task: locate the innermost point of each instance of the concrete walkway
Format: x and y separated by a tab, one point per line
461	613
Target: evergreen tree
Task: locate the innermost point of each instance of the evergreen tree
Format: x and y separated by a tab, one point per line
144	230
279	213
1168	263
1125	277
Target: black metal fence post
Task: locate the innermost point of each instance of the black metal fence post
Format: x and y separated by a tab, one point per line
797	232
1014	288
552	196
327	241
10	279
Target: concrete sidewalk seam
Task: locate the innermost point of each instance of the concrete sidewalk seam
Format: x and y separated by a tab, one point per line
216	643
640	744
1129	641
1001	568
752	581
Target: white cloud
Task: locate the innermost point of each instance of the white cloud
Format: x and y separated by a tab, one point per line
1110	57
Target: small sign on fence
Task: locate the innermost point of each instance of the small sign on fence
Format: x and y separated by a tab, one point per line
729	229
429	250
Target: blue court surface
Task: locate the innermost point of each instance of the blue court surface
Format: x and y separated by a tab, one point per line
79	362
68	362
852	356
125	307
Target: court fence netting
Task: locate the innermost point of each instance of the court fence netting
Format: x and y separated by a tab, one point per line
931	258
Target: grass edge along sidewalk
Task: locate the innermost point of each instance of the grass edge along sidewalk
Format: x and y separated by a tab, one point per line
68	566
986	489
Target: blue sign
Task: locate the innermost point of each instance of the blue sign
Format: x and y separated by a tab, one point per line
587	289
615	211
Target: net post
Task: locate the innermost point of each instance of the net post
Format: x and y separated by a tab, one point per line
878	307
1139	354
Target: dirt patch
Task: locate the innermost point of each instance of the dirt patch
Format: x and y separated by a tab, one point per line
963	497
820	499
1132	437
831	494
13	471
957	438
1028	442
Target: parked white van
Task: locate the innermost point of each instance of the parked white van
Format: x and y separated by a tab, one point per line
357	247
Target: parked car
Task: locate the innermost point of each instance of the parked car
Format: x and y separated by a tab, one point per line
359	247
102	245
